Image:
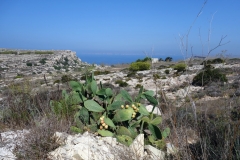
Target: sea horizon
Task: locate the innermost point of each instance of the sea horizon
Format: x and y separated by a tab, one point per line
111	59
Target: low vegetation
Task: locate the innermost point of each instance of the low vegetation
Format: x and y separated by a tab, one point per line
139	66
8	52
44	52
121	83
180	67
208	75
200	129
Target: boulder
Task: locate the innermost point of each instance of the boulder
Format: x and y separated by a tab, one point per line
88	146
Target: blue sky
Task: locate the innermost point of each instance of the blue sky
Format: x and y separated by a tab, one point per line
118	26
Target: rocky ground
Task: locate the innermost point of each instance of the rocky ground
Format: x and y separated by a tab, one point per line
63	66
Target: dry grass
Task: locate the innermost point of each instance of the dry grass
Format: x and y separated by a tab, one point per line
40	140
214	133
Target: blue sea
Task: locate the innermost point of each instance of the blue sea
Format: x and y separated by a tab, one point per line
111	59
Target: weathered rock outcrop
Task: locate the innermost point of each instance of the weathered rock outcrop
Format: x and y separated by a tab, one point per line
37	62
89	147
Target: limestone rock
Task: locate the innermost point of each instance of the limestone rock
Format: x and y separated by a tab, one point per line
8	141
89	147
171	149
155	111
137	147
154	153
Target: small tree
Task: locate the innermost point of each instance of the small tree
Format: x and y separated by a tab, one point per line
29	64
160	59
168	59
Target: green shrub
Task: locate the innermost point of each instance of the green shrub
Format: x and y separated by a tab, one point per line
44	52
121	83
180	67
67	78
29	64
168	59
167	71
146	59
131	74
214	61
56	81
138	86
8	52
57	67
43	61
156	76
217	60
101	72
25	53
19	76
139	66
209	75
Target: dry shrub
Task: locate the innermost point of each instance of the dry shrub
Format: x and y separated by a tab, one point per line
40	141
214	131
21	108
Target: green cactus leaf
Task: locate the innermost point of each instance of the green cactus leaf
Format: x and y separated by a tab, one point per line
84	115
151	99
88	88
151	139
109	100
160	144
137	99
109	122
93	106
105	133
76	86
140	90
133	131
109	92
149	93
93	127
145	119
123	115
77	120
76	129
155	131
101	92
96	115
115	105
124	139
123	131
83	98
101	85
118	97
92	76
134	124
166	132
75	98
143	110
126	96
94	87
156	121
